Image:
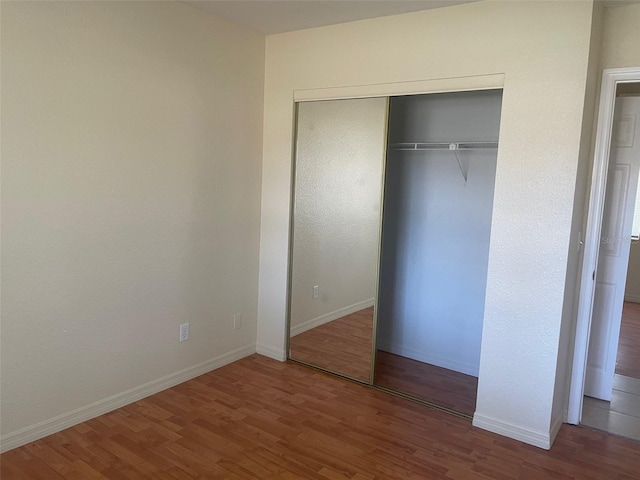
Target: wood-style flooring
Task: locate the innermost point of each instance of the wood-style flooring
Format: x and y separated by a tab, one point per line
262	419
628	359
446	388
343	346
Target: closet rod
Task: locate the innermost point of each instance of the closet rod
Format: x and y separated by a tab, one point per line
444	146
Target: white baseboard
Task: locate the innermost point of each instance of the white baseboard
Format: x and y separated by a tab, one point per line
275	353
532	437
555	429
331	316
82	414
629	297
426	357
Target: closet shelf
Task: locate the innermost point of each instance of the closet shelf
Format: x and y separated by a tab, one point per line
417	146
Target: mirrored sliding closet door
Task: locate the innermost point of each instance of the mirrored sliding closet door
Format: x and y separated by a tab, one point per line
336	215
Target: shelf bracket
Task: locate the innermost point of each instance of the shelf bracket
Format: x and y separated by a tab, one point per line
465	172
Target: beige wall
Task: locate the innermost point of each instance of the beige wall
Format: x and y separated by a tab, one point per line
544	96
621	36
131	151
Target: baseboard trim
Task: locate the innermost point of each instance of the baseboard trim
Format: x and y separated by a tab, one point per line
331	316
632	298
423	357
532	437
50	426
556	425
275	353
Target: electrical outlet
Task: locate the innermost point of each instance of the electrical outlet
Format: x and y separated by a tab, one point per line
237	321
316	290
184	332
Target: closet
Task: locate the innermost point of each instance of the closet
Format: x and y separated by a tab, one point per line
391	222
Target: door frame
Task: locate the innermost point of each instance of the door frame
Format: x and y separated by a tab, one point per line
610	80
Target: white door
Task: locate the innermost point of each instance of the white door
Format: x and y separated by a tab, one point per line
615	241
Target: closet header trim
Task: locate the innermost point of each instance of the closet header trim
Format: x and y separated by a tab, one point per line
438	85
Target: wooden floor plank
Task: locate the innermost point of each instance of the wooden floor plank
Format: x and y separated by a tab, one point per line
262	419
628	359
342	346
446	388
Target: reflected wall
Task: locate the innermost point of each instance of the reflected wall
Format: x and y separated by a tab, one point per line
339	158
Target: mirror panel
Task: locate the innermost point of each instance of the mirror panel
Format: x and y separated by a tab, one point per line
338	170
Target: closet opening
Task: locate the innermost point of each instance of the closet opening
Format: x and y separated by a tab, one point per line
437	210
390	228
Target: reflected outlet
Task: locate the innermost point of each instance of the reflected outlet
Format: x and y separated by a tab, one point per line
315	291
237	321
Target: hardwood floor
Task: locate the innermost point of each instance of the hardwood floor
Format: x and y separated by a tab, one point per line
262	419
449	389
343	346
628	359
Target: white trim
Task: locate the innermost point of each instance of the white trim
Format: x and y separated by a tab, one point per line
532	437
82	414
331	316
595	382
436	85
610	79
556	425
629	297
426	357
274	353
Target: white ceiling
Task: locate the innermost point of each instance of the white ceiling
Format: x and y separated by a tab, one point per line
277	16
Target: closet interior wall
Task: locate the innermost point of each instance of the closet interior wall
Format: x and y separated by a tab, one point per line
436	228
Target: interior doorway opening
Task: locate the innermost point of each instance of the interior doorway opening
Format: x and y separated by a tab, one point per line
608	395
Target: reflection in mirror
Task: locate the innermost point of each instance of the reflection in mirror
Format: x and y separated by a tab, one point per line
340	148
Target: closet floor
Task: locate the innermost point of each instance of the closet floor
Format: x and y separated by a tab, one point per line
446	388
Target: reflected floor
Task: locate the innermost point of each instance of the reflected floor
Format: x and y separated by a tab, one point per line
453	390
343	346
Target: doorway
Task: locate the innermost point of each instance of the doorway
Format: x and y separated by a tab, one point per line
605	392
614	406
